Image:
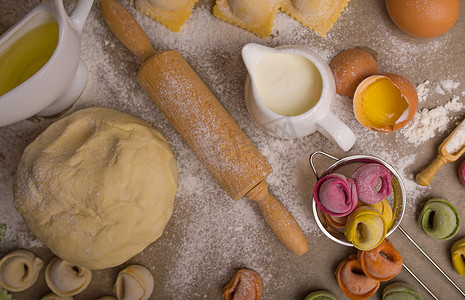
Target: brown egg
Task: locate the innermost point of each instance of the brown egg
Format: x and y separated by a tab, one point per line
350	67
424	18
385	102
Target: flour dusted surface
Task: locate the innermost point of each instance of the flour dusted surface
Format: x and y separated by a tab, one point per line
210	236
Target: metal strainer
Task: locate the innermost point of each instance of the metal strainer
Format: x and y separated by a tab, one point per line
397	200
346	166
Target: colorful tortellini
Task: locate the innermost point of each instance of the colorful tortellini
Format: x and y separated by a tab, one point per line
353	282
386	211
381	263
245	284
171	13
400	291
321	295
19	270
66	279
335	195
458	254
439	219
365	228
367	177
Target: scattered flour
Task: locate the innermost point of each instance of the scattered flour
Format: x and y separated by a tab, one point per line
422	91
427	122
207	226
439	90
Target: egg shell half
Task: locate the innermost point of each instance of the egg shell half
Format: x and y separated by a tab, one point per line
407	90
350	67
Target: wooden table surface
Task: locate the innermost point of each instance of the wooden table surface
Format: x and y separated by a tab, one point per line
209	235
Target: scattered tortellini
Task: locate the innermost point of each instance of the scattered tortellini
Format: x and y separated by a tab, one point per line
134	283
439	219
66	279
458	253
53	296
400	291
321	295
19	270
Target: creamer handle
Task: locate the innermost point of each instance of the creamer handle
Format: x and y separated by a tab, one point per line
332	127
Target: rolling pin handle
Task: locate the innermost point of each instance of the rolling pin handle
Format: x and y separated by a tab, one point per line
279	219
126	29
424	177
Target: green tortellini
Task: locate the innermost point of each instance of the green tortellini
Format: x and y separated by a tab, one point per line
321	295
439	219
400	291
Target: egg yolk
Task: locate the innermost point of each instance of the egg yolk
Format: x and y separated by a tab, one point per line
383	103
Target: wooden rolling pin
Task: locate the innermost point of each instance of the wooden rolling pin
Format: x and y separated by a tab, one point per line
204	124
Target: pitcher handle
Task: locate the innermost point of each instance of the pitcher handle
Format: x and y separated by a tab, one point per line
79	14
332	127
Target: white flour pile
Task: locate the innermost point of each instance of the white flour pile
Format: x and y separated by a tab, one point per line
429	122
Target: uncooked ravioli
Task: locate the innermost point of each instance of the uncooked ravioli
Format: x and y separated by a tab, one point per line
171	13
318	15
254	16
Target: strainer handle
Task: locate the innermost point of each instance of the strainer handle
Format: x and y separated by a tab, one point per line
320	153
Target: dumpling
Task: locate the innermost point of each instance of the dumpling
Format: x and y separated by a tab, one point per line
318	15
53	296
134	283
19	270
171	13
66	279
254	16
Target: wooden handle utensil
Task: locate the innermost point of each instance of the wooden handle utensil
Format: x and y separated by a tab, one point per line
425	176
204	124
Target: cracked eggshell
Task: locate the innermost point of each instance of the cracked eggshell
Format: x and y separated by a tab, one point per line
350	67
408	93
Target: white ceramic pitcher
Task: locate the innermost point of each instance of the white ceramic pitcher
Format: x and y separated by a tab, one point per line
58	84
319	117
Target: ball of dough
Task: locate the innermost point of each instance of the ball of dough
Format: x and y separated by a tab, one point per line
97	187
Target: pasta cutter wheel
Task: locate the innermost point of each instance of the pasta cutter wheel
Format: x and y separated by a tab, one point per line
397	200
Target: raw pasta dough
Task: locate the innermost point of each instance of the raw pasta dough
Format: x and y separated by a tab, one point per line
318	15
171	13
254	16
97	187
